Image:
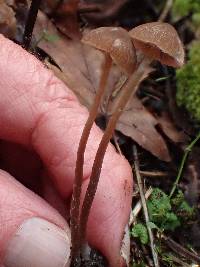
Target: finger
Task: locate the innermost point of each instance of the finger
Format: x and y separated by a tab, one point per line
27	168
32	232
23	164
52	125
110	211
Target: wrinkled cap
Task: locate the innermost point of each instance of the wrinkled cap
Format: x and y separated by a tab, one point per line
116	42
159	41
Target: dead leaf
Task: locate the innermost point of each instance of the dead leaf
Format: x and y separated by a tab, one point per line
80	68
7	20
48	6
168	127
105	10
66	19
80	64
139	124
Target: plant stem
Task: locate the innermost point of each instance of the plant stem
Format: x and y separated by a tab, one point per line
181	251
32	15
129	88
75	202
186	153
144	206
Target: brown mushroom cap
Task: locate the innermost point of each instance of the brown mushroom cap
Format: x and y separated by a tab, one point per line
116	42
159	41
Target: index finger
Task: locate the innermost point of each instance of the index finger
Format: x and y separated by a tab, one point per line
37	110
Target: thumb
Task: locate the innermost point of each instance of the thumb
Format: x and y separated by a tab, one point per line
33	234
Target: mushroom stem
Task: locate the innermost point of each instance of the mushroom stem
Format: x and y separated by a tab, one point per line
129	89
75	202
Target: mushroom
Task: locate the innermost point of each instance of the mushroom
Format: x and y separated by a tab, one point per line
157	41
117	46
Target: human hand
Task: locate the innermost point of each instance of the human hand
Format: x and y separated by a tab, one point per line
41	123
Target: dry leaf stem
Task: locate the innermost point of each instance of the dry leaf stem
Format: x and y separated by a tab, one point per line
75	203
177	248
32	15
144	205
129	89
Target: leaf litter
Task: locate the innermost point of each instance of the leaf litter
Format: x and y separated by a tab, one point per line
79	67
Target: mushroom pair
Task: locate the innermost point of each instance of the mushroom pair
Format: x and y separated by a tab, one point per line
156	41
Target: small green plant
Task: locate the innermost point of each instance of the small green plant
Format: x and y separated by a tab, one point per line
50	37
167	258
139	230
141	264
182	208
160	211
188	83
169	213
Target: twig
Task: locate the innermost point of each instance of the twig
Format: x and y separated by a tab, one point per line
187	151
180	250
117	144
179	261
154	173
88	9
166	10
32	15
138	206
144	205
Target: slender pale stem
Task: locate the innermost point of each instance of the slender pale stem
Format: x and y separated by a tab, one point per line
75	202
186	153
129	88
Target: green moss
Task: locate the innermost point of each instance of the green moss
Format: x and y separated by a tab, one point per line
188	83
139	230
182	8
160	211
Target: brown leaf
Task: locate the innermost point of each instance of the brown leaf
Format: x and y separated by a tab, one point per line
80	68
66	19
81	65
105	10
65	16
139	124
168	127
7	20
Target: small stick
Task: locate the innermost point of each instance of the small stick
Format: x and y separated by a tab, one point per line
138	206
179	261
154	173
177	248
117	144
32	15
144	205
186	153
166	10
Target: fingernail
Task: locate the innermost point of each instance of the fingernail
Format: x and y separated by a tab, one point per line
38	243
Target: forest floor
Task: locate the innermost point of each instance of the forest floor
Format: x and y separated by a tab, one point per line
159	139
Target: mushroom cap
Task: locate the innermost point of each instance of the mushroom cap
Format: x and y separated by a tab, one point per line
117	43
159	41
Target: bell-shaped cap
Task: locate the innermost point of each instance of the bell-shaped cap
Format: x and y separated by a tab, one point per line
159	41
117	43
